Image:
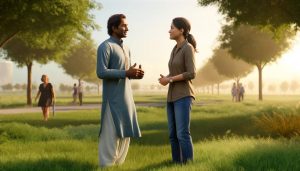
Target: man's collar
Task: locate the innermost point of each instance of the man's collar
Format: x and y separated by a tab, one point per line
119	41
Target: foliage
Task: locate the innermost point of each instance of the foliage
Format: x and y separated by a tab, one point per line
284	86
7	87
80	63
42	30
208	75
256	12
256	46
35	18
228	66
63	88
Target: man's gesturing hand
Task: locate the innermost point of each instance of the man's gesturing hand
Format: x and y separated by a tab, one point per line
135	73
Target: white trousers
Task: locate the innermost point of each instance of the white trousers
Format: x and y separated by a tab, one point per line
112	149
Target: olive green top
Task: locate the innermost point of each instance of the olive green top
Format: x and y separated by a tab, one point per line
182	61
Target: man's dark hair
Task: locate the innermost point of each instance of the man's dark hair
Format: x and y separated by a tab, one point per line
114	21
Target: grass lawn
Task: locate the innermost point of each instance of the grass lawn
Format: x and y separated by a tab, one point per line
18	99
224	134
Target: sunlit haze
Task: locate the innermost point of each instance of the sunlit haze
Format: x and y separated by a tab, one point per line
148	38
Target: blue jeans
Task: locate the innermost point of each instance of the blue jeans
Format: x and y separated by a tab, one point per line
179	113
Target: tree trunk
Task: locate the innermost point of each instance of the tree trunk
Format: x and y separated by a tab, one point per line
8	39
212	89
29	83
218	89
260	95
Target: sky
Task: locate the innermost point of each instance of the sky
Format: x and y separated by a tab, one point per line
148	39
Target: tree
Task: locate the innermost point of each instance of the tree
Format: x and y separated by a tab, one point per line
59	24
24	55
250	85
256	12
284	86
24	87
272	88
17	86
294	86
255	46
208	75
32	17
7	87
80	63
65	88
228	66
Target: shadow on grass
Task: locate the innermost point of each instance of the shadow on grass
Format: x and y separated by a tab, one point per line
163	164
57	123
157	133
47	165
270	157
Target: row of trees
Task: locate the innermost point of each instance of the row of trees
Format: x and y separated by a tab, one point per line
43	31
256	34
275	88
10	87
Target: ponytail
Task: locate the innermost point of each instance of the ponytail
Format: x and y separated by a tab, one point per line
190	38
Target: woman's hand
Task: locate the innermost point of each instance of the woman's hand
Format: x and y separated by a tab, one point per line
163	80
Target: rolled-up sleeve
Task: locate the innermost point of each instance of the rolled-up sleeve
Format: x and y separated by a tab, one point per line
103	71
189	60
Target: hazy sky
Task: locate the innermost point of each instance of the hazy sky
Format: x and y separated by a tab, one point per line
148	38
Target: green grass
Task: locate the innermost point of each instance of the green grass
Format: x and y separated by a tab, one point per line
18	99
224	135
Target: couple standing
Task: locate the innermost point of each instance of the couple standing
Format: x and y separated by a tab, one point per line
118	115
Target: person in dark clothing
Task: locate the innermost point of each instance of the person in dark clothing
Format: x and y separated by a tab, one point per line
46	96
75	93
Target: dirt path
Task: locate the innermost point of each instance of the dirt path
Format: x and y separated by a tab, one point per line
24	110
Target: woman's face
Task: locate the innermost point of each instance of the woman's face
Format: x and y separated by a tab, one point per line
45	79
175	33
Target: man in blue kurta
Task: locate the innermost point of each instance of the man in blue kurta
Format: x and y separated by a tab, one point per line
118	115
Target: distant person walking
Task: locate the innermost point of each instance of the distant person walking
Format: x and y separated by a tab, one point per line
118	113
75	93
181	92
234	92
45	95
80	92
242	92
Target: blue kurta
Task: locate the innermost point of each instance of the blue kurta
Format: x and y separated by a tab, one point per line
112	58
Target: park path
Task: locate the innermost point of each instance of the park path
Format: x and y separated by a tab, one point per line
67	108
24	110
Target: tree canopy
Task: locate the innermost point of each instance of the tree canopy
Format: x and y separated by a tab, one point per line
258	12
35	17
80	63
226	65
208	75
256	46
33	30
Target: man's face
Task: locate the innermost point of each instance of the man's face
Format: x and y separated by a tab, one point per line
121	30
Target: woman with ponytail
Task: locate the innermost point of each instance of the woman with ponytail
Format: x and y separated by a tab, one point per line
181	92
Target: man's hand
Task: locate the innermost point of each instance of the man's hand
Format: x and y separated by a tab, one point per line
135	73
163	80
